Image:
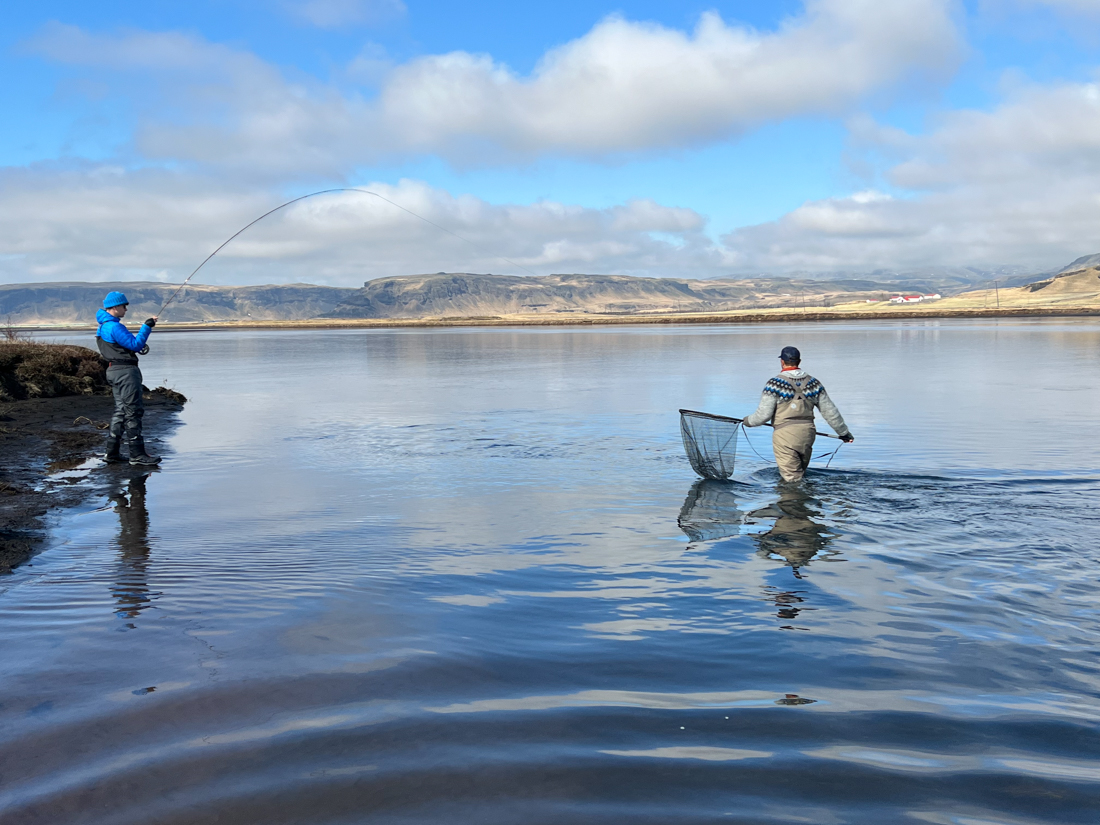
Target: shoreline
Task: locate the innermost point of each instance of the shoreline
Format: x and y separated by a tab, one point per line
595	319
50	452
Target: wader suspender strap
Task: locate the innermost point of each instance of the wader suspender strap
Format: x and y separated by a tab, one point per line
112	352
804	410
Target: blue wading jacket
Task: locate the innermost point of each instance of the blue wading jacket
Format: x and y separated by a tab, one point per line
113	331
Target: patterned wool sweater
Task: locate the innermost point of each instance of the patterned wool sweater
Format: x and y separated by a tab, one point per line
780	389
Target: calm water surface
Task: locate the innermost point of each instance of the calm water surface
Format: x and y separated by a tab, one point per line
467	576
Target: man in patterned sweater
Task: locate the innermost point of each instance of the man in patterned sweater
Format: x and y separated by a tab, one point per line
788	405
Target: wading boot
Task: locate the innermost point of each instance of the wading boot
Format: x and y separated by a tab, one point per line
138	456
113	455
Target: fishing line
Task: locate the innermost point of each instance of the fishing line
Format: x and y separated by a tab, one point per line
745	430
172	297
831	455
818	457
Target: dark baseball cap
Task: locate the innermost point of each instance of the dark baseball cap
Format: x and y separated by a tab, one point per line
790	354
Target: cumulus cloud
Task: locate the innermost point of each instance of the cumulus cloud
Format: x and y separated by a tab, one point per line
622	87
633	86
1019	184
88	222
104	223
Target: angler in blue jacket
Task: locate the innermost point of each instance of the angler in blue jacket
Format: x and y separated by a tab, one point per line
121	349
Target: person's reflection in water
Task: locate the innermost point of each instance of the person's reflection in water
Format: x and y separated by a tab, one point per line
710	512
787	602
131	588
795	536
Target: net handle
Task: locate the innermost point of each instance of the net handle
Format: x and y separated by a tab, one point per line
741	420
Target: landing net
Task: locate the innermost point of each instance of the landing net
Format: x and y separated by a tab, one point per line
710	442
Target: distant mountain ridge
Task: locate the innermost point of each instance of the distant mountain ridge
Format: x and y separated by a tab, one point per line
77	302
416	296
468	295
946	279
1084	262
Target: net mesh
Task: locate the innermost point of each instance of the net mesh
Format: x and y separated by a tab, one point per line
710	442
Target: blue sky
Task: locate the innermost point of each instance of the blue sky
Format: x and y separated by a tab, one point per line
647	138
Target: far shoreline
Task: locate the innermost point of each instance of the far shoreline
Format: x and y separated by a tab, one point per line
594	319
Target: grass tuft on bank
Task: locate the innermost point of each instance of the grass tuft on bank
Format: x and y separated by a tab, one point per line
35	370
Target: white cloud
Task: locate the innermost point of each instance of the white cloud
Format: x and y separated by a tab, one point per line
101	223
633	86
1019	184
622	87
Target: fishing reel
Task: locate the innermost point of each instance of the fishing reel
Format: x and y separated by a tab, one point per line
144	350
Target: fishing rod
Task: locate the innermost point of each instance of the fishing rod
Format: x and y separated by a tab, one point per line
741	421
172	297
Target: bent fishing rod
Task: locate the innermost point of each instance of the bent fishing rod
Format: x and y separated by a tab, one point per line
741	421
172	297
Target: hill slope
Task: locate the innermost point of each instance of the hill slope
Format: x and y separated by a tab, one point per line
416	296
1084	262
1079	289
470	296
77	302
463	294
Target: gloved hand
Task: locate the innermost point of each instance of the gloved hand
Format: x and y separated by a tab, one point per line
848	439
144	350
152	322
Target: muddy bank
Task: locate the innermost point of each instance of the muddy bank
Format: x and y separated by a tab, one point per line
62	426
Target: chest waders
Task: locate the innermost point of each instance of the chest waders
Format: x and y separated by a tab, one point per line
793	438
124	376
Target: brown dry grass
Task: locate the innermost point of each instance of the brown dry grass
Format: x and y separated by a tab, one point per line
32	370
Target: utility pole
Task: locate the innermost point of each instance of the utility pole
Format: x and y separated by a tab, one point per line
997	289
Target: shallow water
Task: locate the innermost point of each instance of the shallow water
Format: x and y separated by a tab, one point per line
468	576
